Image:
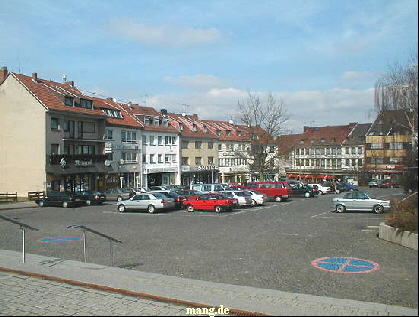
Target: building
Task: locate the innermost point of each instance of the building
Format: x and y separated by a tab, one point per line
325	153
51	136
389	146
198	150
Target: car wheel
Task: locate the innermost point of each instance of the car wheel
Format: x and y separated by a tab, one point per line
340	208
217	209
190	208
254	203
41	203
151	209
378	209
306	195
119	198
65	204
320	193
88	202
279	198
121	208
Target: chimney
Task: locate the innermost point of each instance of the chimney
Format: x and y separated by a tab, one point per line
71	83
3	74
35	77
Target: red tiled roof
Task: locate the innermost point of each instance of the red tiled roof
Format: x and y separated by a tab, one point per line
188	123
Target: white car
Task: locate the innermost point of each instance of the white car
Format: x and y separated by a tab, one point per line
243	197
323	190
257	198
359	201
151	202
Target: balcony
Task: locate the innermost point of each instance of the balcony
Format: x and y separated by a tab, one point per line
76	163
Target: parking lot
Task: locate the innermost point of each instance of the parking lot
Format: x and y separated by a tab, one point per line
274	246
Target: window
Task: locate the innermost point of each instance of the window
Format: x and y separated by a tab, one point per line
210	145
302	141
85	103
185	160
228	132
160	158
395	160
54	148
396	146
169	140
68	126
85	149
360	150
181	126
194	127
68	101
128	136
54	123
151	159
322	140
210	160
151	140
108	134
185	144
198	144
129	157
144	140
160	140
198	160
239	133
346	150
377	146
218	132
205	129
220	147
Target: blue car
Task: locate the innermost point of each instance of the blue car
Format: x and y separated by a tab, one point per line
345	187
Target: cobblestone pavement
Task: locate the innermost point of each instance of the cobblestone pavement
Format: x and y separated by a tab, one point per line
31	296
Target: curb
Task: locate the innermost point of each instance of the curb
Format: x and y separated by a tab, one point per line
405	238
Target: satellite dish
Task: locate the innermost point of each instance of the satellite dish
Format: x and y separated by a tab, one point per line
121	161
107	163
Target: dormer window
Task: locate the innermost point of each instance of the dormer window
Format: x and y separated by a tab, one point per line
302	141
85	103
205	128
322	140
181	126
194	127
68	101
239	133
228	132
218	132
148	120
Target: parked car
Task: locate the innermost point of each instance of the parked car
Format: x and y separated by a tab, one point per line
60	199
344	187
151	202
210	201
139	190
277	191
189	194
299	189
389	184
257	198
162	187
322	190
92	197
118	194
171	194
374	183
208	188
242	197
359	201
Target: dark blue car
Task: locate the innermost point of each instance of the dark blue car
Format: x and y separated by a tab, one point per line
345	187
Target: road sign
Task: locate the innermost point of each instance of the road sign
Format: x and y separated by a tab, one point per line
60	239
345	265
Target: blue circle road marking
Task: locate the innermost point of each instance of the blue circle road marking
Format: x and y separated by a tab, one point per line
60	239
345	265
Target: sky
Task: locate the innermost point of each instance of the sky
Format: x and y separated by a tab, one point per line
320	58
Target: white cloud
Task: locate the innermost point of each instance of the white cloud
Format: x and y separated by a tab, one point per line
165	35
201	81
357	76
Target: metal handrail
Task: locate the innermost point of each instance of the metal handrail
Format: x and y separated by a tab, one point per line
84	228
23	226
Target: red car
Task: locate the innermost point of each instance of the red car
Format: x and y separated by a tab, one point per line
388	184
188	194
210	201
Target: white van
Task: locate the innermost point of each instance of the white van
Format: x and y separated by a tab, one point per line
207	188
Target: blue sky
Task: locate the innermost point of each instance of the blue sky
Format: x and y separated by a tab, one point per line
321	58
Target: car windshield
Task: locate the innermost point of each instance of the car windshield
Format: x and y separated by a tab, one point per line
125	190
160	195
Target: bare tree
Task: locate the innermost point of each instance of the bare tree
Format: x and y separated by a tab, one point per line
398	90
265	121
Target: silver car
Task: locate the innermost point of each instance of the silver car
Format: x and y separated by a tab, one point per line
360	201
146	201
257	198
243	197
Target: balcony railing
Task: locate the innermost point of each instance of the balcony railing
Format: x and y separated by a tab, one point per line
76	159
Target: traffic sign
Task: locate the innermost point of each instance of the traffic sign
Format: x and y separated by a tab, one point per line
345	265
60	239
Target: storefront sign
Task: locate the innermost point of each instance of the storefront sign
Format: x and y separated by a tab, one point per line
207	167
83	163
